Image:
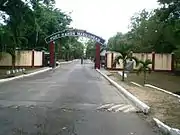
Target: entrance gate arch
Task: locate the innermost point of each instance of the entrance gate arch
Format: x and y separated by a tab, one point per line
74	32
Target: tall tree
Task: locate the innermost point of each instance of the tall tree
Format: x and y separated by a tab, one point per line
90	49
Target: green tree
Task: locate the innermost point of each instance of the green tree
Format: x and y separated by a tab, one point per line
27	23
90	49
144	68
125	54
18	13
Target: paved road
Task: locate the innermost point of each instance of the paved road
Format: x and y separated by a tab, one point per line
72	100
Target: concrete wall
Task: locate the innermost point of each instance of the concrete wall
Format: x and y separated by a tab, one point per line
109	60
143	57
23	58
5	59
161	61
38	59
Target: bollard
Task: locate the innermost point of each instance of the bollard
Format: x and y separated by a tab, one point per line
8	72
13	71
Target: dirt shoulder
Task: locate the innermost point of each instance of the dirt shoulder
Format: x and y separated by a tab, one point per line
164	107
164	80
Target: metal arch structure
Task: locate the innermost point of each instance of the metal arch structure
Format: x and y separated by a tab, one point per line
73	33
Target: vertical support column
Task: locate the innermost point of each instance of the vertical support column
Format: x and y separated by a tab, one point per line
97	62
112	60
43	59
153	61
52	54
105	61
32	64
172	62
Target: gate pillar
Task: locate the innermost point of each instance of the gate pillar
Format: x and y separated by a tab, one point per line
52	54
97	59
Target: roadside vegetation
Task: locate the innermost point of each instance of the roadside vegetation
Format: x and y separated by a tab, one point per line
25	24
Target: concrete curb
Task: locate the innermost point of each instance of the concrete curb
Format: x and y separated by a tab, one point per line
165	128
145	108
66	62
31	74
136	84
24	75
151	86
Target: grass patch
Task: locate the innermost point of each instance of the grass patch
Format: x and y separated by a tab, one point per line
163	80
163	106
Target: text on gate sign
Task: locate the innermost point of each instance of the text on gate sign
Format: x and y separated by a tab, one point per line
74	32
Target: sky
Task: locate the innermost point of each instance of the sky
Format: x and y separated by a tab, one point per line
103	17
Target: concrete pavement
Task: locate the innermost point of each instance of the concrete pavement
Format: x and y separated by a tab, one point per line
72	100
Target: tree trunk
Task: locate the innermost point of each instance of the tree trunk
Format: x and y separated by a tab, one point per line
144	77
13	61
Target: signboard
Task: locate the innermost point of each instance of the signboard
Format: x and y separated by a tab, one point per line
74	32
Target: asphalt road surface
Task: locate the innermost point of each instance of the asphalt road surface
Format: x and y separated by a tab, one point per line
72	100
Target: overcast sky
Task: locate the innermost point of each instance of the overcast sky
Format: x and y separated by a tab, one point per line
103	17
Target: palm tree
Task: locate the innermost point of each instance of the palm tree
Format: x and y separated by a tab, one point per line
144	67
125	54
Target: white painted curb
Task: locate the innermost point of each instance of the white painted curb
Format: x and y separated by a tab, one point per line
31	74
151	86
136	84
165	128
24	75
145	108
66	62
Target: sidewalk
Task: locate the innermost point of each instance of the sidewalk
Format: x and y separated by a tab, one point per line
164	107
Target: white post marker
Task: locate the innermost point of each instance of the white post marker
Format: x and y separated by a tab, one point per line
13	71
8	72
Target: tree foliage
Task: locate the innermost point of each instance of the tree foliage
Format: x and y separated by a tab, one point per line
90	49
125	54
26	24
157	30
144	68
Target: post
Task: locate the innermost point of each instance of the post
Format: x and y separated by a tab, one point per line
32	62
43	59
52	54
112	60
97	61
172	62
105	61
153	61
82	60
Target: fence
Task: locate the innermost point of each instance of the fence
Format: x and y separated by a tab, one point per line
160	62
23	59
